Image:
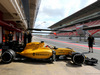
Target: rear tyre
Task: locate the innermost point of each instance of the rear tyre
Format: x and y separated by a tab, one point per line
8	56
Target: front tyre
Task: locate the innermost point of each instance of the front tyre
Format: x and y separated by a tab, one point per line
78	58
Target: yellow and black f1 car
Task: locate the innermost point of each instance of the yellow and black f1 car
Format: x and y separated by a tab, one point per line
37	50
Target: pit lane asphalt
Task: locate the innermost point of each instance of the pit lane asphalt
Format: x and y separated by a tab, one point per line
78	47
61	67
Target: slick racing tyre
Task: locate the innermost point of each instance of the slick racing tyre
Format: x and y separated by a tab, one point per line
78	58
8	56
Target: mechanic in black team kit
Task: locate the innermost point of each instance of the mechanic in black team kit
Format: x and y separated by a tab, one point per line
90	42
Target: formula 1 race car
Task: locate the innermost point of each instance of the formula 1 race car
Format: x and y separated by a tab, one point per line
37	50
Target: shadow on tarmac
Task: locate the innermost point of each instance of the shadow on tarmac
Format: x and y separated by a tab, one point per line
70	64
33	61
29	61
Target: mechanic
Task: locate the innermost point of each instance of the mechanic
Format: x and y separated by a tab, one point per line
90	42
10	36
